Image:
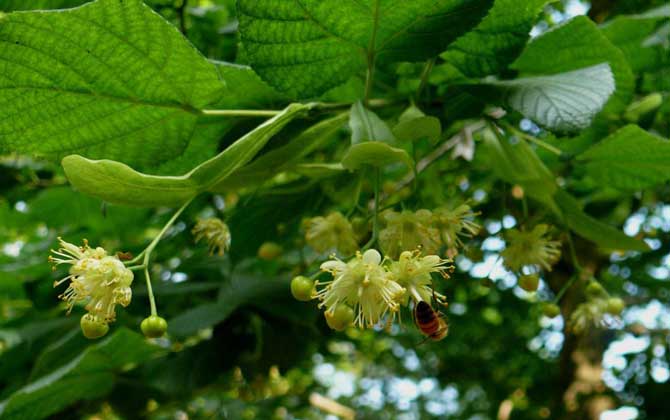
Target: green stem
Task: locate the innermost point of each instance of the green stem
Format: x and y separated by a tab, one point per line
150	292
424	77
575	264
553	149
375	220
146	255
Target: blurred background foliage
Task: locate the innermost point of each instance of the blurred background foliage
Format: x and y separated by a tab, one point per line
240	347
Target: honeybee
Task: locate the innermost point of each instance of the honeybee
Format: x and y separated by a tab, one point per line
430	322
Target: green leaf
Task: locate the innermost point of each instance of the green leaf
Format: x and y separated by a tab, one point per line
414	125
375	153
277	160
90	375
562	102
12	5
578	44
629	159
635	36
117	183
496	41
305	47
371	141
109	79
602	234
239	291
518	164
367	126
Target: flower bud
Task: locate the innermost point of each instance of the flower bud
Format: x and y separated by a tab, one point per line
551	310
269	251
302	288
153	326
529	282
340	318
93	326
595	289
615	306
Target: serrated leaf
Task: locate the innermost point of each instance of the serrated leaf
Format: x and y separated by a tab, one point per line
90	375
562	102
375	153
305	47
496	41
117	183
14	5
602	234
577	44
629	159
108	79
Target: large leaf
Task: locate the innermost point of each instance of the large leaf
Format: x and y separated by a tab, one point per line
602	234
629	159
305	47
108	79
90	375
496	41
575	45
12	5
118	183
563	102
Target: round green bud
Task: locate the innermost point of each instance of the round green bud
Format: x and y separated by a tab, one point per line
301	288
529	282
594	289
153	326
340	318
269	251
615	306
551	310
93	327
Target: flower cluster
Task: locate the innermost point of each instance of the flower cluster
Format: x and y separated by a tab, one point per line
531	249
332	233
215	232
101	280
368	289
592	312
427	230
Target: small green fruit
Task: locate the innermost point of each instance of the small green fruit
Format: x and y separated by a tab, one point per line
302	288
529	282
615	306
551	310
340	318
594	289
93	327
269	251
153	326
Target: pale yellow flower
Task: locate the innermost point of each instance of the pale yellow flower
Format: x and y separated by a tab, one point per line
215	232
408	230
331	233
530	248
412	271
363	284
100	280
